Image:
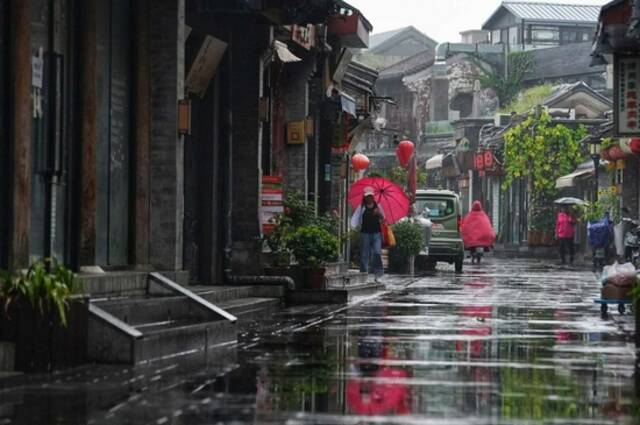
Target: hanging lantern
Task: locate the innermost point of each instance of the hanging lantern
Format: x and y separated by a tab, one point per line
360	162
479	162
488	159
404	152
635	146
616	153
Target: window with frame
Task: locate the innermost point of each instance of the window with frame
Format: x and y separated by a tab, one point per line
513	35
544	35
495	36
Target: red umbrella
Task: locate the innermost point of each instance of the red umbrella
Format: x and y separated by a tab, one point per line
388	195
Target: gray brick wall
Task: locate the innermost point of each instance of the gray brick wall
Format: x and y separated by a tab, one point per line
166	149
296	92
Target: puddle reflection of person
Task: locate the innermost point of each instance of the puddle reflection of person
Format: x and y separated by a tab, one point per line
378	389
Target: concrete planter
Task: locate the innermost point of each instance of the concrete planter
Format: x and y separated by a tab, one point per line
41	343
314	277
7	356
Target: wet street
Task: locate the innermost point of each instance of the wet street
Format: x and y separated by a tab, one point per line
509	341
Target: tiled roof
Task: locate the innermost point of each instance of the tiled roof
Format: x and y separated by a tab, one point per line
380	38
408	66
563	61
535	11
389	38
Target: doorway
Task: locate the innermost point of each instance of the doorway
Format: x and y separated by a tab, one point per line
113	167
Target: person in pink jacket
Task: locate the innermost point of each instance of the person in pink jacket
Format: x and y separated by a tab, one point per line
565	230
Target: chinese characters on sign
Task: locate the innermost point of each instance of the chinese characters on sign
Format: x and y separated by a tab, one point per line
627	85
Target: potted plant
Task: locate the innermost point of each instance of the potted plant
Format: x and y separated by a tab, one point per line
44	317
409	243
313	246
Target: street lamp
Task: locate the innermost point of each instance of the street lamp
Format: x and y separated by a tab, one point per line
595	155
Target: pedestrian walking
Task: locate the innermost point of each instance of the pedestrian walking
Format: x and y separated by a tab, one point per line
565	230
368	218
477	232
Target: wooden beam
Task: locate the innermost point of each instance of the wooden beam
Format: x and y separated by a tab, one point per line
89	131
142	132
20	58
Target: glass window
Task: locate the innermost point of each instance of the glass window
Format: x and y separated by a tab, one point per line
545	34
495	36
438	208
513	35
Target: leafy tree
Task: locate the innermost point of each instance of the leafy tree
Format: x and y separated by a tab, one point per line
508	85
541	151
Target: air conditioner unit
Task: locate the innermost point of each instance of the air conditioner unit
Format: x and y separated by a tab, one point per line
502	120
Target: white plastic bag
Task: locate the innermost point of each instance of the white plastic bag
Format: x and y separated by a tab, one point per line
619	274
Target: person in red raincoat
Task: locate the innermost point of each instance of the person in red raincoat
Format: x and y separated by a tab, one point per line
477	231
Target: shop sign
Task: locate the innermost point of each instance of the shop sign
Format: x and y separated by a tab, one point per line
205	65
296	133
626	95
272	202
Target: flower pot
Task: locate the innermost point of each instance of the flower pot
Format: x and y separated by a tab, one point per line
314	277
42	343
533	238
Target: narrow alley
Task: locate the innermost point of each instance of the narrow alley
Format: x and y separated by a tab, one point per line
506	342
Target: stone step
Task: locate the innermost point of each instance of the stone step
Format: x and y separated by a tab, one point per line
252	308
348	279
182	338
123	283
220	294
150	328
333	269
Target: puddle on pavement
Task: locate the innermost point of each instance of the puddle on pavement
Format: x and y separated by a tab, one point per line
499	348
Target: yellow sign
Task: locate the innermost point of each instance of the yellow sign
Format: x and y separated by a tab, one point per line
296	133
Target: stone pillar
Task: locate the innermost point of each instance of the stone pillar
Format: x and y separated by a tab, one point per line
89	134
166	153
439	110
142	131
20	60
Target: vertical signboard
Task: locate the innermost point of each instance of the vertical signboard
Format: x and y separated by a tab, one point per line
272	202
626	91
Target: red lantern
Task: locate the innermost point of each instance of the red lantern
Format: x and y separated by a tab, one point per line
635	146
404	152
488	159
360	162
479	160
616	153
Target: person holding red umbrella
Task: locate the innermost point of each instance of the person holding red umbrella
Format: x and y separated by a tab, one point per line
368	217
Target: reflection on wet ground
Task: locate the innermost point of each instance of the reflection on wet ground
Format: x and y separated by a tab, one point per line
506	342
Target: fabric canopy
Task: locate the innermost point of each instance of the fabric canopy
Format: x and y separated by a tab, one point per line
570	179
434	162
283	52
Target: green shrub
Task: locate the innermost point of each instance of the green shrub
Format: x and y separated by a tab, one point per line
313	245
45	285
409	243
298	213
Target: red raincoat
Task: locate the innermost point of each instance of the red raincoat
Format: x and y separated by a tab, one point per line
477	230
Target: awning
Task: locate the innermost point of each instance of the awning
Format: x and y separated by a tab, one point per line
283	52
434	162
348	104
569	179
583	170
